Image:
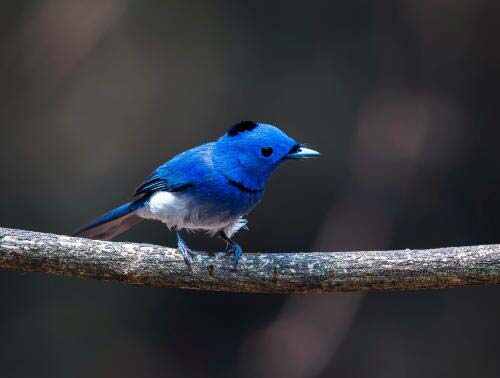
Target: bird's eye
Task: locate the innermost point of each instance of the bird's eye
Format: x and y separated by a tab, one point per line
266	151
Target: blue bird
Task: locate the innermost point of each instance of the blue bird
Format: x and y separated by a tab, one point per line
210	187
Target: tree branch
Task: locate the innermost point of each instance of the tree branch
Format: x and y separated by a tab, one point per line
151	265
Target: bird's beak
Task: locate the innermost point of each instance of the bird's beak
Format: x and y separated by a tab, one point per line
302	153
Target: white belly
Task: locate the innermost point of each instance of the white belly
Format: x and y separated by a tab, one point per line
178	211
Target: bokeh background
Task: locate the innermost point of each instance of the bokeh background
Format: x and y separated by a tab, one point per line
401	97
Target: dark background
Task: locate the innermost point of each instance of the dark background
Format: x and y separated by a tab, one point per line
401	97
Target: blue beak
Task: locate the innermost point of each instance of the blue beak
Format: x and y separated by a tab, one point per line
302	153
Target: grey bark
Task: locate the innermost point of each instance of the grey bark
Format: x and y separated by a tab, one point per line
151	265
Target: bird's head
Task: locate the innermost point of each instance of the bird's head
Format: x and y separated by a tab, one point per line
249	152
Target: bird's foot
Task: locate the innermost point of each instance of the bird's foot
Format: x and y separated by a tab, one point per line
236	251
184	250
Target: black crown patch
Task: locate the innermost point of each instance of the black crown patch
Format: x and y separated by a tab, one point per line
241	127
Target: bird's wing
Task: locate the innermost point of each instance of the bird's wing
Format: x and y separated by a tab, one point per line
180	173
157	183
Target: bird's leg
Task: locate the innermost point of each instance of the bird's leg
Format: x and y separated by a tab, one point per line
224	237
186	253
232	248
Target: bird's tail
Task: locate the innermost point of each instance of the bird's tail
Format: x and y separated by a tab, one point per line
113	223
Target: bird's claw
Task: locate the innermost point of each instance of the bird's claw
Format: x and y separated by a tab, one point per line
236	251
184	250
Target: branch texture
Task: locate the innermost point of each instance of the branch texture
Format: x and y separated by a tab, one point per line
151	265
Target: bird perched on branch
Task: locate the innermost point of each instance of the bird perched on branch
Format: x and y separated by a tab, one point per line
210	187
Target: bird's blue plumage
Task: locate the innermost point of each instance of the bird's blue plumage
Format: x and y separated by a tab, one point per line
210	187
114	222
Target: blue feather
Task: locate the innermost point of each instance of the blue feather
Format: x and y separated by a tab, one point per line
112	223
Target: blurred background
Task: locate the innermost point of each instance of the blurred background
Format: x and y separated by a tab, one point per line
401	97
